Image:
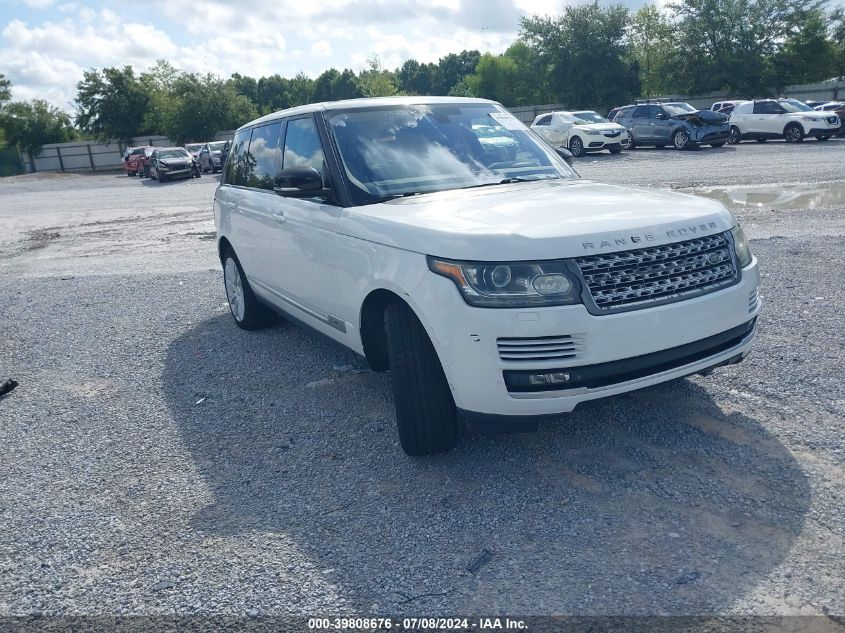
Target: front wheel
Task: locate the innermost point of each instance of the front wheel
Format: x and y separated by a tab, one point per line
793	133
680	139
425	411
576	146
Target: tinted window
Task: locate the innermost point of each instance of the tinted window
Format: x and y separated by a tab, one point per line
302	145
236	167
544	120
767	107
262	158
646	112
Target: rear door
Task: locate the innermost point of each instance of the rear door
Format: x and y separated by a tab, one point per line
642	123
766	118
543	127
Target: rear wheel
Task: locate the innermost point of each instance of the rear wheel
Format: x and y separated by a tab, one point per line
248	312
793	133
425	411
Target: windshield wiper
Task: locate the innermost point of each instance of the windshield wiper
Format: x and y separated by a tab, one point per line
504	181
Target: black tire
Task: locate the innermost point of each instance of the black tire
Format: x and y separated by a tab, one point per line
425	411
822	138
717	144
255	314
161	177
736	135
680	139
131	173
615	150
793	133
576	146
631	143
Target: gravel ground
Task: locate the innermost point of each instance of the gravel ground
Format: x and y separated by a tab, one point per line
157	460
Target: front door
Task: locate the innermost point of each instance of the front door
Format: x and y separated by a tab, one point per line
642	123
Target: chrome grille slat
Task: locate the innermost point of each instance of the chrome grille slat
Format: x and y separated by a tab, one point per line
540	348
637	278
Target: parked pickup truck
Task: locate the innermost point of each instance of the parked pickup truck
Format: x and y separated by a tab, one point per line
495	291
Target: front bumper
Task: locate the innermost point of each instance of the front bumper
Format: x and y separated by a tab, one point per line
467	342
825	131
602	141
711	134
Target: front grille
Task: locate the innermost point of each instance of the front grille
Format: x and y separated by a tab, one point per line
612	133
540	348
659	274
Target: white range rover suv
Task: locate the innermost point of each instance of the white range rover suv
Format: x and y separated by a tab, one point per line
781	118
494	283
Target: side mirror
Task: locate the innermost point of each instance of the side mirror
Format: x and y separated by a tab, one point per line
300	182
661	116
565	154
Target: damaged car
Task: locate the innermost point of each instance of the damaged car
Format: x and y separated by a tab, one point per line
677	124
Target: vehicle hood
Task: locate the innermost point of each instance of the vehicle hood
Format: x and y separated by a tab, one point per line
815	116
539	220
702	117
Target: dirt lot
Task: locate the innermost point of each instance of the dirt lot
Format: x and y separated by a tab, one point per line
156	459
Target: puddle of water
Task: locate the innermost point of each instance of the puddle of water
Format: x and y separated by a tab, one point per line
808	196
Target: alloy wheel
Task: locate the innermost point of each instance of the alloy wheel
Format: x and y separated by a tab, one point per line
234	289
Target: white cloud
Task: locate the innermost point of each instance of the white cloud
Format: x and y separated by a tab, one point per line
38	4
253	37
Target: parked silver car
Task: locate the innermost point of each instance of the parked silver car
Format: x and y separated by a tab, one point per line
210	158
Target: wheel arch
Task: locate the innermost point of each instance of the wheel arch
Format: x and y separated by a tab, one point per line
223	247
372	332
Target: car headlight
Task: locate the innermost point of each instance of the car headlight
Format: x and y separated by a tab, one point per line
810	118
743	252
510	284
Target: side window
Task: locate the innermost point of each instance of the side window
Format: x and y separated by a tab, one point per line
645	112
236	163
546	120
767	107
262	163
302	145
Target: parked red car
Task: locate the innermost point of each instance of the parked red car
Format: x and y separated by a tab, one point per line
133	160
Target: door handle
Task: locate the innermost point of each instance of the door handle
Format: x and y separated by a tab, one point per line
279	217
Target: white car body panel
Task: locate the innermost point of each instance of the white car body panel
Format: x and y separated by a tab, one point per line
563	129
321	262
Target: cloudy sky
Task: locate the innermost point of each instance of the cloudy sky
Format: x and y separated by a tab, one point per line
46	44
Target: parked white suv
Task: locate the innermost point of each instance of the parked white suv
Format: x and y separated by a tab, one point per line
789	119
495	291
581	132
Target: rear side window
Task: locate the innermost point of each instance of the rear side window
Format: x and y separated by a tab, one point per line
645	112
236	168
546	120
262	162
302	145
767	107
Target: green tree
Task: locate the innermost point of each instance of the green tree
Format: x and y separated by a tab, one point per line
159	85
452	69
651	37
204	105
301	90
5	89
495	77
333	85
111	104
375	81
732	44
418	79
582	54
808	55
31	124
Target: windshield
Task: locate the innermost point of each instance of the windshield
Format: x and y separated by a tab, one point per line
172	153
137	151
674	109
194	147
791	105
403	150
217	146
584	118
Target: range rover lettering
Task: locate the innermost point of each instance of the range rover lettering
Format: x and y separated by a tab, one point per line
496	287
